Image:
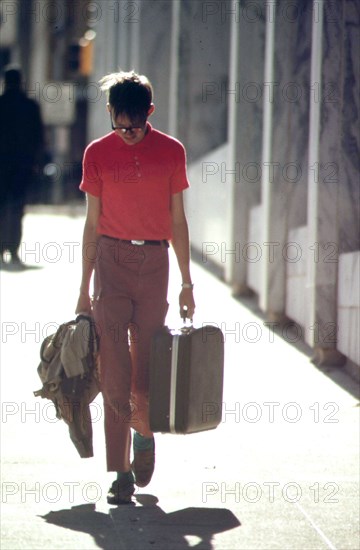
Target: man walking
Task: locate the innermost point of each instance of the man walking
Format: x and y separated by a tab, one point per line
134	178
21	141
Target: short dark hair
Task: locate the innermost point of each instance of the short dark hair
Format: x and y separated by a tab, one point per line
128	94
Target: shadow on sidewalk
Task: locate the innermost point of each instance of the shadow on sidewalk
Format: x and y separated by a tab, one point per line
146	526
18	267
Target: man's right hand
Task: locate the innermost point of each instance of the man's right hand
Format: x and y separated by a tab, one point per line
83	304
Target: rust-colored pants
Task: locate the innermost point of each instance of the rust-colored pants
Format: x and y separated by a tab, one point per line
130	304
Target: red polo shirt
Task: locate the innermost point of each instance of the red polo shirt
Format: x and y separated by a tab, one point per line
135	183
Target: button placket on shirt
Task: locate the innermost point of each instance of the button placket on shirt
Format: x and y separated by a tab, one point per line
137	164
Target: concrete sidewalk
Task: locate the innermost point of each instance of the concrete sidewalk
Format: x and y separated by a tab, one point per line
280	472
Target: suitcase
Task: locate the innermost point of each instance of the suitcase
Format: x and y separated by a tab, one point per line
186	380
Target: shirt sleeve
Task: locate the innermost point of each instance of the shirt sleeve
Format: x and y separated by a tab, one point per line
91	181
179	179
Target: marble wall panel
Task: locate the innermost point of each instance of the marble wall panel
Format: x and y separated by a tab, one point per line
207	207
329	166
255	236
246	117
349	280
204	74
337	198
348	341
348	320
295	252
291	108
155	37
296	275
349	173
249	97
287	174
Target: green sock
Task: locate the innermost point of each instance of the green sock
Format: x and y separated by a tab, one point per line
125	476
142	443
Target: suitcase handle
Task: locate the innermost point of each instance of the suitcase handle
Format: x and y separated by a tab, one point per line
188	325
186	319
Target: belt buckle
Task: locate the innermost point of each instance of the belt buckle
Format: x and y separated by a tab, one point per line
137	243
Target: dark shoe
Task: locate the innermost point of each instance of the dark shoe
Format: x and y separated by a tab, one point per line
120	492
143	466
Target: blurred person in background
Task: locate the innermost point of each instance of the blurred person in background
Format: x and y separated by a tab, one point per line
21	144
134	178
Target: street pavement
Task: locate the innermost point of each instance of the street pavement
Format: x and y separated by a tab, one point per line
280	472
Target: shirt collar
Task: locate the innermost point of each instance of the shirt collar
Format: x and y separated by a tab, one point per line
137	146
